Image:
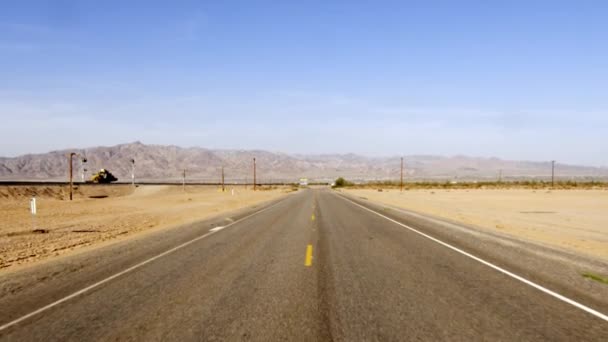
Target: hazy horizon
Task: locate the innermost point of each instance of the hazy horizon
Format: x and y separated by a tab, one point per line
515	81
394	156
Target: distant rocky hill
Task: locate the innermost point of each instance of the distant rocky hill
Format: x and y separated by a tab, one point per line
166	163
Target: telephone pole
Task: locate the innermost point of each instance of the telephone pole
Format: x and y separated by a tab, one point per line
223	186
553	173
133	172
253	174
83	167
401	174
72	154
184	180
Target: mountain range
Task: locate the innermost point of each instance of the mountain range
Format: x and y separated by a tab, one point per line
167	163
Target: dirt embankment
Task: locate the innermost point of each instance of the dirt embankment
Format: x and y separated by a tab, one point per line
102	213
574	220
58	192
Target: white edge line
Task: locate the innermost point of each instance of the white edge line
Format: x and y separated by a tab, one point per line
489	264
114	276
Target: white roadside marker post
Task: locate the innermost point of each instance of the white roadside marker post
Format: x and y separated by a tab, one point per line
33	211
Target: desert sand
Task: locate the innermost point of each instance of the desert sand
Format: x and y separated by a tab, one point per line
574	220
115	211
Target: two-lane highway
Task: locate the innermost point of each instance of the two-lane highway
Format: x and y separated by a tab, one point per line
313	267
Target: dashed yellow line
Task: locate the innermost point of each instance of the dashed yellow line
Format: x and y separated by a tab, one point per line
308	260
312	218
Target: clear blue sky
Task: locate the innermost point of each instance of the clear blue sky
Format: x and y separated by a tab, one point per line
512	79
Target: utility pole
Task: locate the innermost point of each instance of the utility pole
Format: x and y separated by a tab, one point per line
500	176
253	174
133	172
553	173
401	174
223	186
83	167
72	154
184	180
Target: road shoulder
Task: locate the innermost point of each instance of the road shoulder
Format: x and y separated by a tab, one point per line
556	269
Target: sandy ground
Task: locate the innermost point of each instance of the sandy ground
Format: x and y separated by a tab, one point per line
61	226
575	220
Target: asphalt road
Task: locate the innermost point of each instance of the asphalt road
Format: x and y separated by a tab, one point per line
314	266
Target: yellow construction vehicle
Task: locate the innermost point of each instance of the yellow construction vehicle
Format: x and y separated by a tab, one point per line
103	176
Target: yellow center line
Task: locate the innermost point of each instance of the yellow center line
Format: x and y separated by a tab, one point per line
308	260
312	218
